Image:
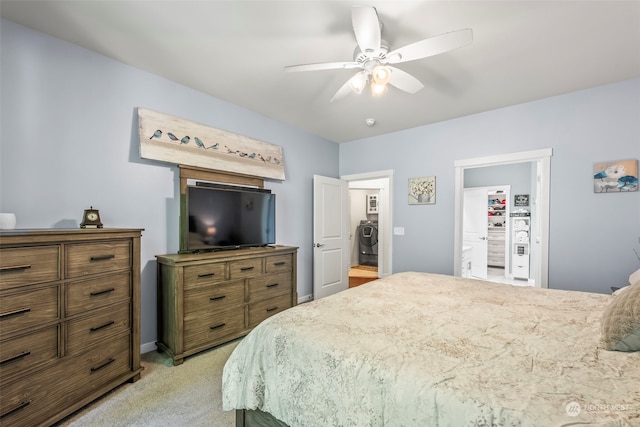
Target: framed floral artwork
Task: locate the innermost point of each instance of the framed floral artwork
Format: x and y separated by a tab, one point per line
422	191
615	177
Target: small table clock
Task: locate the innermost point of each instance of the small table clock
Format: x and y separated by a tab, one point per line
91	218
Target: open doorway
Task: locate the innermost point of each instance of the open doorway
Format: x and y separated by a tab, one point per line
370	226
538	250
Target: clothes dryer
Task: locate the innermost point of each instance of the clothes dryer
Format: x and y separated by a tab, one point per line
368	243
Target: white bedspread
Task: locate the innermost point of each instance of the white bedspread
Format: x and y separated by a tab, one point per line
417	349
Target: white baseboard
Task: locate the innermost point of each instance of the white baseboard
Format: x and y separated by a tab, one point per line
148	347
305	298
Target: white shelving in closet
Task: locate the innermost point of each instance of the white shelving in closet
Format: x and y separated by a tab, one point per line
496	226
521	231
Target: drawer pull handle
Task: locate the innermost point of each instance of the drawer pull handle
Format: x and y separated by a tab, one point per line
275	307
217	326
22	405
97	328
246	268
15	313
217	298
279	263
105	364
206	275
102	257
105	291
16	357
273	285
14	268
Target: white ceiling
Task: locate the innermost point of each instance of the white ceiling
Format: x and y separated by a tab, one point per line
236	51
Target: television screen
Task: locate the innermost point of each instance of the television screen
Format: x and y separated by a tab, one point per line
223	217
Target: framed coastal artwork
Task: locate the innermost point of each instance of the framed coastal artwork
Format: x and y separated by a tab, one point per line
422	190
618	176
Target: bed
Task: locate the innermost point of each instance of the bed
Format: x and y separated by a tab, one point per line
418	349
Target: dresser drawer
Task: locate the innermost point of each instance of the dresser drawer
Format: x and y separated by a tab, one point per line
35	398
98	292
495	261
258	311
27	309
198	275
23	266
87	331
27	402
494	250
215	326
222	296
91	258
94	368
496	235
245	268
275	264
20	354
266	287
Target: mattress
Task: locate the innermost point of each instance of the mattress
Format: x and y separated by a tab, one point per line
418	349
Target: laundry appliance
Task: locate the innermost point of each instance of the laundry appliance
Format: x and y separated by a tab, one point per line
368	243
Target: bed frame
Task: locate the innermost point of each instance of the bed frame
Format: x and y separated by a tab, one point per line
256	418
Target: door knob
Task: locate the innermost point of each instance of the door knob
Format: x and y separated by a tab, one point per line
318	245
482	238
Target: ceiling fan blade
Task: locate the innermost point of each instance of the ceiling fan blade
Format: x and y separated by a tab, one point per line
431	46
322	66
404	81
366	27
345	89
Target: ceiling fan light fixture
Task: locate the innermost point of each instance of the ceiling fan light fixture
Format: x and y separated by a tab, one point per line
378	89
381	74
358	82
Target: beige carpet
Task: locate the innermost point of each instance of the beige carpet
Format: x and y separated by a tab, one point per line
166	395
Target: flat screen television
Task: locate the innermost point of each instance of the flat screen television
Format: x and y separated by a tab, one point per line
228	217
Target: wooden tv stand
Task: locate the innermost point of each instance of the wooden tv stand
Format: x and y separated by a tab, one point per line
207	299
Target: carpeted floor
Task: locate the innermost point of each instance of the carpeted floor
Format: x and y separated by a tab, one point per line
166	395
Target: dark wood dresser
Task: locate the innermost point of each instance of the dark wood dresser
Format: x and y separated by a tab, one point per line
69	320
211	298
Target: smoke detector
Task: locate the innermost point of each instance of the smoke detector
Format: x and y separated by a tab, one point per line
370	122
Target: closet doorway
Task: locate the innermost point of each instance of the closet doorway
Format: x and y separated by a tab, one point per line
538	251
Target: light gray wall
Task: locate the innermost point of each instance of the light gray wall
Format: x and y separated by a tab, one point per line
69	141
592	235
358	205
517	175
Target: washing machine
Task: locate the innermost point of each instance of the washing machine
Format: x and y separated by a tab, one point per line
368	243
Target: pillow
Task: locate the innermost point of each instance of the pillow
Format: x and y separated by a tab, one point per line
620	290
634	277
620	324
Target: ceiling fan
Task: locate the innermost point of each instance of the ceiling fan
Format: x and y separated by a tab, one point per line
372	56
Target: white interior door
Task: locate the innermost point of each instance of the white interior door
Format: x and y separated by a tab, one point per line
474	218
330	236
